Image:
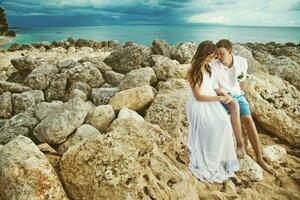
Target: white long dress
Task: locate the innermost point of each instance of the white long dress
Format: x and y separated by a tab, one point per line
212	155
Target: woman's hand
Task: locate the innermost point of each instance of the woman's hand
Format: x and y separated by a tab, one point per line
226	99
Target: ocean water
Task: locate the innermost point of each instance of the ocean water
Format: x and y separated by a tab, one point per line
173	34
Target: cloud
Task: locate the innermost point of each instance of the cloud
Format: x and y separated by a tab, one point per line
228	12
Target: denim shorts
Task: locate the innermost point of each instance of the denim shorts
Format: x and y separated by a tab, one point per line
243	103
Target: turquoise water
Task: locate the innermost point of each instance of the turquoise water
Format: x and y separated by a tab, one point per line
145	34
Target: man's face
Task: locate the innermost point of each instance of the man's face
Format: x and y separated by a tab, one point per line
223	54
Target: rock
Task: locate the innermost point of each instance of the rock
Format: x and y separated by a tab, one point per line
12	87
136	98
5	105
83	43
274	153
26	101
290	51
184	52
101	117
243	51
40	77
27	174
14	47
125	60
251	169
79	89
113	78
161	47
56	89
126	113
83	132
166	68
67	64
55	128
58	50
86	73
10	33
44	109
139	77
21	124
25	63
168	108
285	68
44	44
97	61
17	77
101	96
275	104
132	162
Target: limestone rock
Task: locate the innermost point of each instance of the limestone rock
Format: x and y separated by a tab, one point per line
139	77
83	132
166	68
26	101
136	98
5	105
26	173
21	124
55	128
101	117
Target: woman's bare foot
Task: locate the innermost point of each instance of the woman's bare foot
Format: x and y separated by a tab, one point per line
266	167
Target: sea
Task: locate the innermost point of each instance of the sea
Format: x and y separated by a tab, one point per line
173	34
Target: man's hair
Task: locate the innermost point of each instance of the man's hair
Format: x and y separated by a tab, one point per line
224	43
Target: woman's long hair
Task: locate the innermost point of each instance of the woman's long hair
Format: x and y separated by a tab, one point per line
204	49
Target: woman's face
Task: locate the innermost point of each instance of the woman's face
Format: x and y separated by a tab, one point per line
210	58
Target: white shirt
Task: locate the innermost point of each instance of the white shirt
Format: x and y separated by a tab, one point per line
228	79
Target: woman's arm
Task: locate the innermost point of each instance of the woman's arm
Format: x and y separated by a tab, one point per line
200	97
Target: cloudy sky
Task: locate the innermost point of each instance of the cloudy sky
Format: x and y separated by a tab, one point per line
32	13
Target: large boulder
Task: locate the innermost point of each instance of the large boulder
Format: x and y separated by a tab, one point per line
168	108
166	68
5	105
57	87
101	117
136	98
184	52
136	160
139	77
44	109
125	60
26	101
12	87
161	47
21	124
25	63
55	128
113	78
275	104
27	174
83	132
86	73
101	96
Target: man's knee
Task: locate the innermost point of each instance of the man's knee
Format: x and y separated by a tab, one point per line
247	120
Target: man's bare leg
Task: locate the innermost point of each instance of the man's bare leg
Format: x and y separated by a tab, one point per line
254	140
236	125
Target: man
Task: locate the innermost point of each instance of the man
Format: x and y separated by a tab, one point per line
229	73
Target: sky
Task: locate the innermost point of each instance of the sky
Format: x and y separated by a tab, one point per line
37	13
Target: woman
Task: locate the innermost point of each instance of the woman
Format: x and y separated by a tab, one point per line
212	153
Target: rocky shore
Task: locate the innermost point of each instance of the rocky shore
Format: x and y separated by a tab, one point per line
82	119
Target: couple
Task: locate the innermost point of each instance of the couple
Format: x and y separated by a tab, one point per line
215	93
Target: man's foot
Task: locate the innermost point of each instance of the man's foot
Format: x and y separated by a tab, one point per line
266	167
